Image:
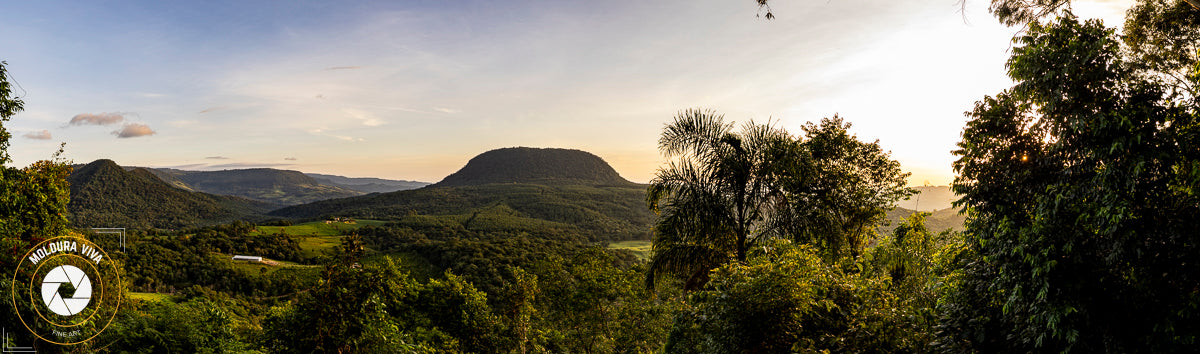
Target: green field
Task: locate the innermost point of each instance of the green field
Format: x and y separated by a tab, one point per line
312	246
318	236
316	228
640	248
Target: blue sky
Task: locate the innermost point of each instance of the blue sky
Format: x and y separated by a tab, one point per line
412	90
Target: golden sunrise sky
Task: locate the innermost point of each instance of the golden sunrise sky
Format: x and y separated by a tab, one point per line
412	90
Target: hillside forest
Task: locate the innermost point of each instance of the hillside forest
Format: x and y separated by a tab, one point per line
1073	228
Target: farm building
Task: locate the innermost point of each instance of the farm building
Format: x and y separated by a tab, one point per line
247	258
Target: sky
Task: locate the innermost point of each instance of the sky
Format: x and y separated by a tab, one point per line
413	89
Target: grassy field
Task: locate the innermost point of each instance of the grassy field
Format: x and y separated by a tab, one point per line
316	237
151	297
640	248
317	228
311	246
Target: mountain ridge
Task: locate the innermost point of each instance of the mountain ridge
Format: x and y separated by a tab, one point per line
104	194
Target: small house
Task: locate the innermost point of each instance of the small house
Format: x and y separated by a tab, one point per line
247	258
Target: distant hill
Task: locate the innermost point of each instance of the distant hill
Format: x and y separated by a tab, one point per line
938	221
366	185
281	187
560	186
931	198
104	194
535	166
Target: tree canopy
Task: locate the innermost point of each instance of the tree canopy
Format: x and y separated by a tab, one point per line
1080	183
727	191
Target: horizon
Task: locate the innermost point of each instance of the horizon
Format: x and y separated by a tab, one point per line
412	91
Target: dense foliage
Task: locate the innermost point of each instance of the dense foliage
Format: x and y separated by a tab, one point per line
1081	184
728	191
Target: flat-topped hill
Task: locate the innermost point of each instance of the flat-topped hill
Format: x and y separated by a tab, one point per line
535	166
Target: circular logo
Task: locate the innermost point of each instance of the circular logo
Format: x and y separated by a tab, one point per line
71	276
66	290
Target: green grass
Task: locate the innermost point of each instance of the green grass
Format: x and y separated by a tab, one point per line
640	248
151	297
317	237
312	246
317	228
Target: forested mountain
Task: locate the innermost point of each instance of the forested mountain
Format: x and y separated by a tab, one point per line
564	186
536	166
366	185
282	187
104	194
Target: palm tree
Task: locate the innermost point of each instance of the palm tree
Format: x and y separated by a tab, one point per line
714	200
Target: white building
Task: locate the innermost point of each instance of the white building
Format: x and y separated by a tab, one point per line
247	258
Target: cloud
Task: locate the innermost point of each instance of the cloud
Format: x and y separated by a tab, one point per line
367	118
210	109
187	166
216	158
97	118
447	110
343	68
133	130
321	132
290	158
42	135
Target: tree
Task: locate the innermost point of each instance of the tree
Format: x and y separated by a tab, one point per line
835	189
711	199
1162	39
1081	184
727	191
33	200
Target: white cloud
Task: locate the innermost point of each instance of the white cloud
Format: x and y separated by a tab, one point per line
42	135
97	118
133	130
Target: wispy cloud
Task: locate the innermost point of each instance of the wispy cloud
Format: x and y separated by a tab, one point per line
290	158
216	158
447	110
133	130
321	132
343	68
109	118
191	166
210	109
42	135
367	118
